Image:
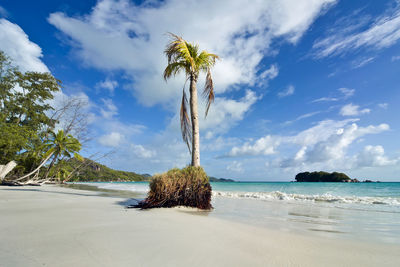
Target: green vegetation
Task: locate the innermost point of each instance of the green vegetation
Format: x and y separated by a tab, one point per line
27	126
91	171
187	187
214	179
322	177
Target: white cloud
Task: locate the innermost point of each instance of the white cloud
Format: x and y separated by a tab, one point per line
362	62
107	84
325	99
264	146
334	148
109	109
325	143
113	139
353	110
395	58
374	156
235	166
121	35
142	152
383	105
347	92
382	33
269	74
16	44
225	113
288	92
302	117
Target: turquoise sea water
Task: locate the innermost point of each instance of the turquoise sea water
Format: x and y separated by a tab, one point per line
367	211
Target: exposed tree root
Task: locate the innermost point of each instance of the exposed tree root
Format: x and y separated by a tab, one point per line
187	187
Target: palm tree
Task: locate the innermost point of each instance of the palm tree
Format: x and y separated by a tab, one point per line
60	144
184	56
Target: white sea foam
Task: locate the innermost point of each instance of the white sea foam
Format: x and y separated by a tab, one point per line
143	188
277	195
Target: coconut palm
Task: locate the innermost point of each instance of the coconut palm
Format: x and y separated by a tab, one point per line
186	57
60	144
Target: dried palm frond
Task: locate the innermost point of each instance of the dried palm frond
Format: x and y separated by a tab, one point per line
186	126
208	92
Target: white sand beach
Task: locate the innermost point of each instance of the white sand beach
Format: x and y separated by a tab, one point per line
55	226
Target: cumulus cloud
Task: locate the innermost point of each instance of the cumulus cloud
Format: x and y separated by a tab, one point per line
142	152
268	74
353	110
235	166
109	109
112	139
107	84
381	33
23	52
287	92
374	156
120	35
325	144
264	146
347	92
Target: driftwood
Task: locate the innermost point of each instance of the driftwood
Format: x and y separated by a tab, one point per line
37	169
5	169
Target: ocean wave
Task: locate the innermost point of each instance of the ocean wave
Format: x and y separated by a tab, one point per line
328	198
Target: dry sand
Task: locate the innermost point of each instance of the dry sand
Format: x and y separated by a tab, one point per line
54	226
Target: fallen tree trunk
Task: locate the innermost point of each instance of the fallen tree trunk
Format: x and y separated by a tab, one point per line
35	170
5	169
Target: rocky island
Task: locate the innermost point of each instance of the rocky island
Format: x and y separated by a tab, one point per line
321	176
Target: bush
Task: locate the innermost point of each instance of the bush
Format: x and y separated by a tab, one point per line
187	187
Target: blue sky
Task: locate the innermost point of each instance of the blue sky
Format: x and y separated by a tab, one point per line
301	85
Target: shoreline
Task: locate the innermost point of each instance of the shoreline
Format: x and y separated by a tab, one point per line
364	223
39	225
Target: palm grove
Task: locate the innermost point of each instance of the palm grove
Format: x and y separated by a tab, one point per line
28	125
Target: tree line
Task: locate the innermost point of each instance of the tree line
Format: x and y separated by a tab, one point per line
35	134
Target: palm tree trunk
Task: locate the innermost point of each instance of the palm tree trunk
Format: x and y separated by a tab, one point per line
37	169
50	166
195	123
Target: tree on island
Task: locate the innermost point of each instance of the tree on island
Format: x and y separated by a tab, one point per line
323	177
189	186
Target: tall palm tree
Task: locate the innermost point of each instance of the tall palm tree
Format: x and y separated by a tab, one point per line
184	56
62	145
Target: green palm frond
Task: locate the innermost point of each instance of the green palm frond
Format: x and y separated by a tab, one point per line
184	56
174	68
